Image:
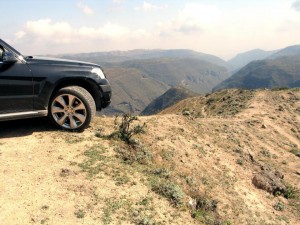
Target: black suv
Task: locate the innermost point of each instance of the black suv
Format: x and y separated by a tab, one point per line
69	92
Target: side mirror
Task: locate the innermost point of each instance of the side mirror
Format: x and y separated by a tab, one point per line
8	58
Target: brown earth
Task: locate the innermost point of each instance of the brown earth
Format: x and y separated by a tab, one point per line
213	151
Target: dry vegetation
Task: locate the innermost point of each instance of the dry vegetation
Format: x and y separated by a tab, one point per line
231	157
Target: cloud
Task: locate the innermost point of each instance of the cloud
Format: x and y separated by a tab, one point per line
296	5
49	36
20	34
44	28
108	31
185	27
85	8
193	18
64	32
149	7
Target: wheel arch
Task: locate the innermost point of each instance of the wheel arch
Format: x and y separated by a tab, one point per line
87	84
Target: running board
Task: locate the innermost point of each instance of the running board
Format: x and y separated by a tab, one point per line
23	115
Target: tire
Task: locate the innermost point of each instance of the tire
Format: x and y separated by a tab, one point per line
72	108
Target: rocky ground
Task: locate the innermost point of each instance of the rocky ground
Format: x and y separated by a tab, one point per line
231	157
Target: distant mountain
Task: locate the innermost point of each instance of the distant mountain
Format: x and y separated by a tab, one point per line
120	56
244	58
288	51
169	98
280	72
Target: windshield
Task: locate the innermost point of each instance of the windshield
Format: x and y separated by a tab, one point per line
9	48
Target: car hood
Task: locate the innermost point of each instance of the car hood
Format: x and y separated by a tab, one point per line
55	61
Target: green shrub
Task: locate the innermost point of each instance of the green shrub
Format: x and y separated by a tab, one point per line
169	190
79	214
125	129
279	206
137	153
291	193
296	152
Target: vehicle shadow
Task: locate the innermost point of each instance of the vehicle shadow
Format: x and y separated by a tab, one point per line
19	128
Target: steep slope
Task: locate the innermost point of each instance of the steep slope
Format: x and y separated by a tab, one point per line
169	98
132	89
223	103
280	72
244	58
187	169
198	76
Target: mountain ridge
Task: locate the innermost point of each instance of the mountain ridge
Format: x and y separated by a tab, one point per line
169	98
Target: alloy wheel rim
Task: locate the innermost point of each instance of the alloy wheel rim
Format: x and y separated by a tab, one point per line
68	111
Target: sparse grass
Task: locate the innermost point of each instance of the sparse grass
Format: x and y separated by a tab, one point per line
167	154
137	153
120	177
79	213
296	152
162	172
147	221
112	206
74	139
279	206
94	162
64	173
146	201
169	190
44	221
265	153
205	210
292	193
240	161
279	89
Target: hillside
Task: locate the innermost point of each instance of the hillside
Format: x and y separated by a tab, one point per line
293	50
132	89
269	73
223	158
242	59
198	76
137	83
169	98
140	76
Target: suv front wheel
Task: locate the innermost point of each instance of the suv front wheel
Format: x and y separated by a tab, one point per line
72	108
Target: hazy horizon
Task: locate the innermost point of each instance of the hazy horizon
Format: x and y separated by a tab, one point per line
215	27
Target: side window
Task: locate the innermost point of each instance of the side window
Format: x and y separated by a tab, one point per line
1	52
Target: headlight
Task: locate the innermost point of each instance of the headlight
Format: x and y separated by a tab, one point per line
99	72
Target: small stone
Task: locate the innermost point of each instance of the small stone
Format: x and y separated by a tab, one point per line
135	213
192	203
186	113
298	173
263	126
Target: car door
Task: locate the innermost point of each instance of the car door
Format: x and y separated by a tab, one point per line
16	88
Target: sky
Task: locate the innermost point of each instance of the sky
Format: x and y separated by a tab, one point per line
219	27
